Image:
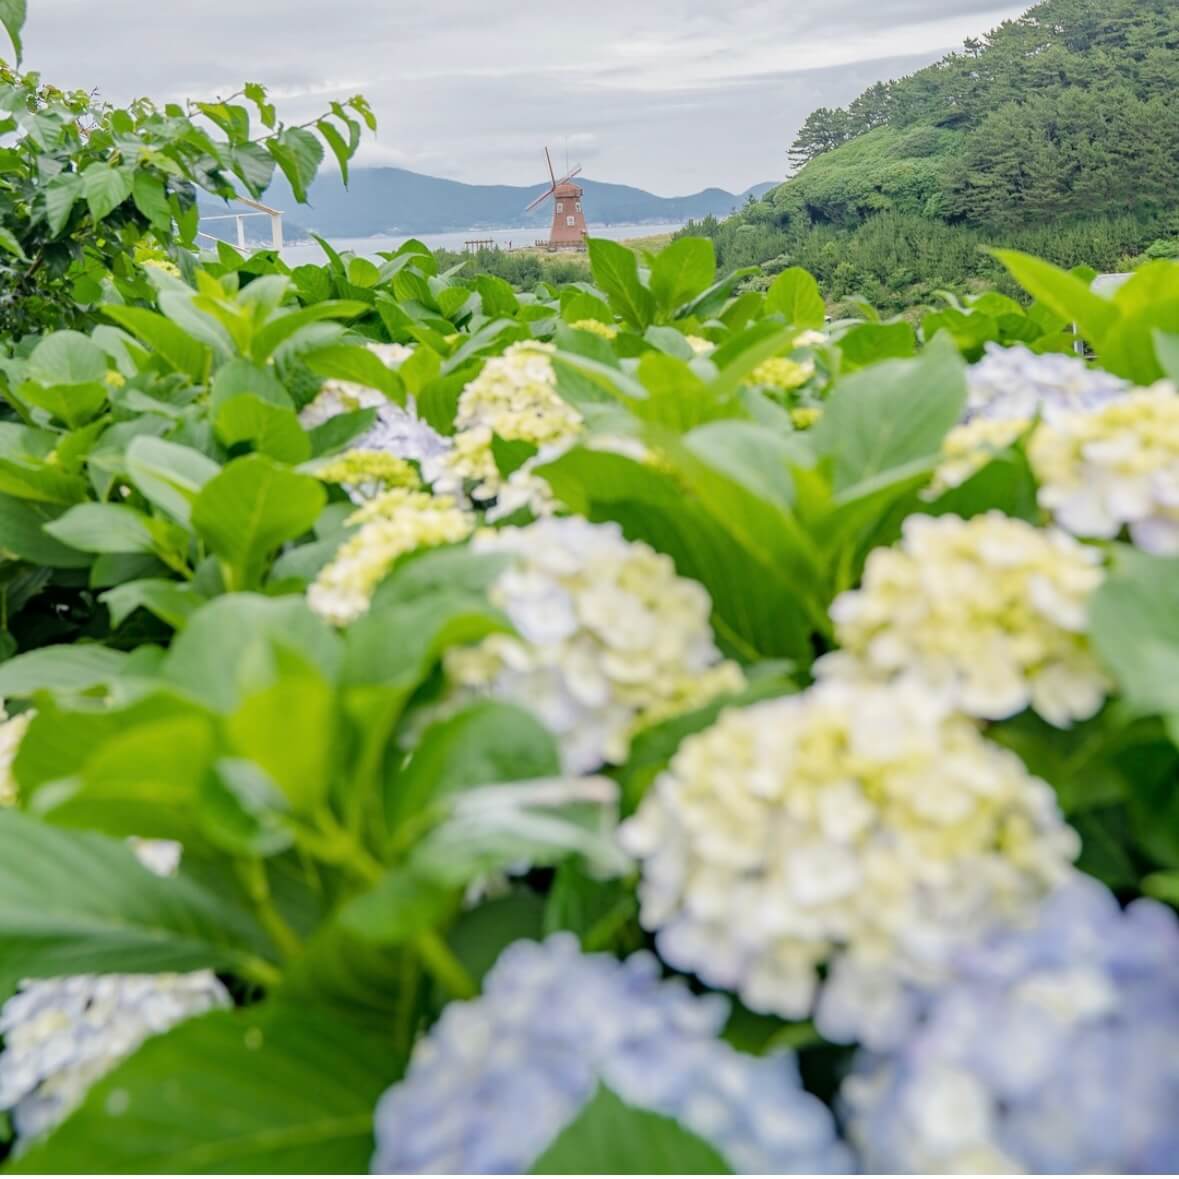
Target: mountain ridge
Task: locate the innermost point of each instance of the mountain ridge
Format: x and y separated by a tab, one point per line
396	201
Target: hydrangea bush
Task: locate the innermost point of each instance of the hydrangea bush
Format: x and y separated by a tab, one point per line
640	726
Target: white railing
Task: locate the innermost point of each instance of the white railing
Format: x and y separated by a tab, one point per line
239	219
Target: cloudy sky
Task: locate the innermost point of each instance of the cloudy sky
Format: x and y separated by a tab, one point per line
670	95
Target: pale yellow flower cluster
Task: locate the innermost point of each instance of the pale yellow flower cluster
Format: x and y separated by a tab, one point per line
609	638
781	372
990	613
700	345
967	449
397	522
803	417
1115	468
595	326
367	473
514	397
860	826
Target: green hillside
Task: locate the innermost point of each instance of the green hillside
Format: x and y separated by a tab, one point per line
1058	132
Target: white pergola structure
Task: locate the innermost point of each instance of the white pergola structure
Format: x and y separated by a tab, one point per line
257	210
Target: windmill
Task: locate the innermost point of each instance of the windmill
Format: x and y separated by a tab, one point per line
568	231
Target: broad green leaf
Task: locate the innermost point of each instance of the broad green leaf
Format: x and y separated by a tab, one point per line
339	148
298	153
168	474
105	188
489	741
795	296
278	1089
66	358
681	270
348	363
73	902
74	405
616	272
10	243
1062	292
610	1137
174	345
868	343
209	657
241	376
172	602
73	668
60	195
248	510
147	190
12	17
1167	349
283	326
110	528
892	414
23	536
271	429
41	482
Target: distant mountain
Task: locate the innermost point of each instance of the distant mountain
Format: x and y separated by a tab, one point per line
395	201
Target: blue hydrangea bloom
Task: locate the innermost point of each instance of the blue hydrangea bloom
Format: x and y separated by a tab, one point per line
499	1077
1054	1051
1016	383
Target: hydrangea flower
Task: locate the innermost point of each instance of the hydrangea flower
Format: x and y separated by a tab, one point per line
62	1034
699	345
515	397
365	474
967	449
990	612
397	431
395	523
500	1077
610	638
606	330
1017	383
1054	1050
783	373
1117	467
864	826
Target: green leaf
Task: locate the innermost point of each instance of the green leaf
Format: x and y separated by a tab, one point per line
168	474
210	657
1134	628
249	509
74	668
147	190
73	902
795	295
66	358
681	271
487	742
170	601
60	194
892	414
283	326
288	729
278	1089
105	188
610	1137
271	429
1167	350
298	153
173	344
348	363
868	343
339	148
616	272
12	17
23	536
111	528
74	405
9	242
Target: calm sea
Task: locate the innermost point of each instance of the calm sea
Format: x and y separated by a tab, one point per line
506	238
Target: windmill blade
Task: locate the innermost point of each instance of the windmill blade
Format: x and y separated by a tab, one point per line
544	196
549	161
569	175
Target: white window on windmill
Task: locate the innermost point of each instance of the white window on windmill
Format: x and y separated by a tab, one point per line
571	220
560	206
578	206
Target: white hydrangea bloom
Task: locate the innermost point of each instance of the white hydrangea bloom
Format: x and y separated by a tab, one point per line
499	1078
610	638
393	524
1016	383
397	431
990	612
12	733
62	1034
967	449
515	397
1054	1050
1115	468
699	345
864	826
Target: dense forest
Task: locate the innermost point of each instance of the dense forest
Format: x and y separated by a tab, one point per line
1057	132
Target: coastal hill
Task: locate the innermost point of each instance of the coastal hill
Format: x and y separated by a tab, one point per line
396	201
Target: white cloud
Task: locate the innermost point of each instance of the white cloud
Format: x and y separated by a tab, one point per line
672	95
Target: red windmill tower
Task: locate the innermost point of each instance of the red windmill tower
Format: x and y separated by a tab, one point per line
568	231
